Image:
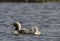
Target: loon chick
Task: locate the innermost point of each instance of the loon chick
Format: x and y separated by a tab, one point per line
36	31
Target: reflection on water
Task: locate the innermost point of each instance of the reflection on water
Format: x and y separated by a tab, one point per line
45	15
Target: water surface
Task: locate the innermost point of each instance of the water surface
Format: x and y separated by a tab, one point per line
45	15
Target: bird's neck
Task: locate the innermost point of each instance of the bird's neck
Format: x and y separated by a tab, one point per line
18	28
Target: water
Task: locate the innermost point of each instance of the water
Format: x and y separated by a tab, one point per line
45	15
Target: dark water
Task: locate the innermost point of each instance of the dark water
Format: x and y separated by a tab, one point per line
45	15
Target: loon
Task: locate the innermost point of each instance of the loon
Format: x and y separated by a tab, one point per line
19	30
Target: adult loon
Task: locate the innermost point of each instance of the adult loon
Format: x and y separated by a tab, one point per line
19	30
